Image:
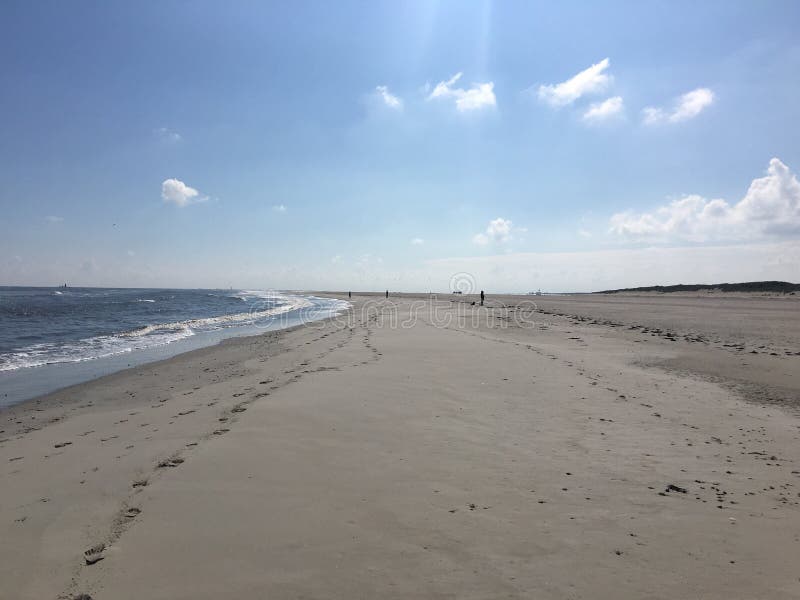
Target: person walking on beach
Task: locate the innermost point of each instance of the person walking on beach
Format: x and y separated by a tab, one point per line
387	294
349	294
481	297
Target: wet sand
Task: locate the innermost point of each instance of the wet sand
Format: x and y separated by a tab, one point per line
587	447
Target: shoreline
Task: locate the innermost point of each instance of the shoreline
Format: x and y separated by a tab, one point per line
390	454
33	382
69	396
757	376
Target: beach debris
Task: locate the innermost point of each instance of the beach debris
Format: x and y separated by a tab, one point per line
675	488
94	554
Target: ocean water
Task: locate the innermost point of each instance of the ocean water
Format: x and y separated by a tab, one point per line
99	330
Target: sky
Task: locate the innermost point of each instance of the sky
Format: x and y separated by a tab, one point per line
415	146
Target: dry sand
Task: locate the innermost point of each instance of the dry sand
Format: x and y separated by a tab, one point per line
597	447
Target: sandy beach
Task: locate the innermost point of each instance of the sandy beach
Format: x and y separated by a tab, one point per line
539	447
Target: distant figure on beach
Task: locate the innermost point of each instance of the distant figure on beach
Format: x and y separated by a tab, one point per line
481	297
349	294
387	293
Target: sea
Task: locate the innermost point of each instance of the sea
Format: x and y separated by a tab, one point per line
54	337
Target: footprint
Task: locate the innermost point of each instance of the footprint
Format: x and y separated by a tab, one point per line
132	512
220	431
63	444
170	462
94	554
139	483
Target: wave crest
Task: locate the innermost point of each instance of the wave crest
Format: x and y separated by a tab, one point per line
148	336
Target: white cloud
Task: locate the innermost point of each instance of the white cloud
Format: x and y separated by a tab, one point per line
417	242
688	106
589	81
771	207
498	232
336	259
602	111
53	219
585	234
280	208
388	98
168	135
178	193
480	95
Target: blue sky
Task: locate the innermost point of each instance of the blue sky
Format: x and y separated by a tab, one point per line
331	145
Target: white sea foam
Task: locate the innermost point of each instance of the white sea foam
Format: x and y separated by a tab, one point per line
291	303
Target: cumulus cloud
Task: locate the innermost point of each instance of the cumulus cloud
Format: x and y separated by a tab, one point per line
602	111
589	81
498	232
388	98
174	191
417	242
480	95
279	208
686	107
53	219
770	208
